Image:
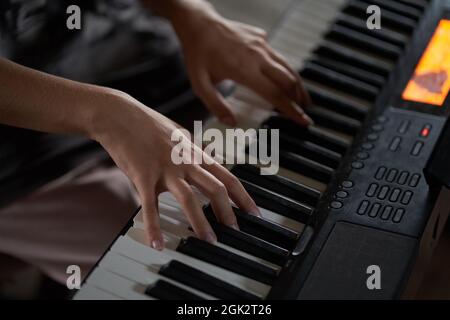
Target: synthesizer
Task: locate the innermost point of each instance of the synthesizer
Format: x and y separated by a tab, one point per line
366	185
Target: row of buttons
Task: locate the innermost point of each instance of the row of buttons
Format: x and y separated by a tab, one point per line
394	194
385	213
403	177
347	184
405	125
369	145
415	150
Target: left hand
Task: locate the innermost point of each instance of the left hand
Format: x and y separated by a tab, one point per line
216	49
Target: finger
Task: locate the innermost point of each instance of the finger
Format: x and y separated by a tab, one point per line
151	222
282	77
236	190
270	91
216	191
301	90
212	98
184	194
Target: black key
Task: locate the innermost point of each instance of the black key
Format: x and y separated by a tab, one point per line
397	7
310	150
335	103
338	80
261	228
164	290
278	203
278	184
362	41
203	282
420	5
228	260
250	244
359	24
389	18
345	54
311	134
351	71
334	121
305	167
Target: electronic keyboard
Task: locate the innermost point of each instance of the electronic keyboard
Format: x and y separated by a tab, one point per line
367	185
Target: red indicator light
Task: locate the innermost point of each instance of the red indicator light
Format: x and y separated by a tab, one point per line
425	131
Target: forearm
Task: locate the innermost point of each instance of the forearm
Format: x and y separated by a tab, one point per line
39	101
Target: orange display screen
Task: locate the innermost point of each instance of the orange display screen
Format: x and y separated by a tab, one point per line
430	83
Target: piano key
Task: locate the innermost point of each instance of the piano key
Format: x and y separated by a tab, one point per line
350	70
384	34
356	57
362	41
420	5
397	7
222	258
171	223
340	81
133	246
266	230
250	244
141	273
166	291
305	166
335	103
287	187
278	203
202	281
166	199
117	285
335	121
89	292
312	134
389	18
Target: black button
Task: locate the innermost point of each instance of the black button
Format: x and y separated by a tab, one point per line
362	155
395	143
347	184
374	210
372	137
404	126
395	195
414	181
357	165
377	127
386	214
342	194
392	175
336	204
383	192
415	151
403	177
379	175
406	197
398	215
363	207
367	146
372	190
382	119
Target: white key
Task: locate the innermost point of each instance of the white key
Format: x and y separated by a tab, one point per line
140	273
117	285
131	247
89	292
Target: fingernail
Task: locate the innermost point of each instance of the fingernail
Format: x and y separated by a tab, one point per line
229	121
157	245
211	238
256	212
234	226
308	119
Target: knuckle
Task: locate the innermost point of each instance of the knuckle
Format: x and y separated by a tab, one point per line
218	189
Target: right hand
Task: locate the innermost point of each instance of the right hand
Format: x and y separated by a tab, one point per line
139	141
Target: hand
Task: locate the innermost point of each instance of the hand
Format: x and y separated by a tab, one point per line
139	141
216	49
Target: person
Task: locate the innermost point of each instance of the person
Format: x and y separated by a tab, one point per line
62	202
